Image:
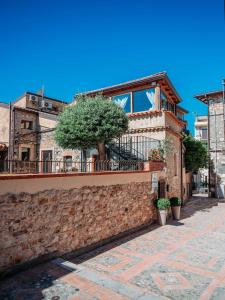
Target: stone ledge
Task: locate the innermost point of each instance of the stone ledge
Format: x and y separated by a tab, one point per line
43	175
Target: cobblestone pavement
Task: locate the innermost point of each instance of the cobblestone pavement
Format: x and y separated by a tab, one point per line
182	260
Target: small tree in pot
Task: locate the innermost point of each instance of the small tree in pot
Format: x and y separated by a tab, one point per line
162	205
175	203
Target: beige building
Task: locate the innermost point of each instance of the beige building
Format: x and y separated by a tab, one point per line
27	135
152	105
201	128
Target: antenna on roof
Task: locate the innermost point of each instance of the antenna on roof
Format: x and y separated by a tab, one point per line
40	92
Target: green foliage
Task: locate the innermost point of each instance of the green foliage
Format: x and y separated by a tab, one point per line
195	155
175	201
156	154
162	203
93	120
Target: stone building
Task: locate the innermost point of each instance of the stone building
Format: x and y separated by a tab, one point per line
27	135
152	105
216	140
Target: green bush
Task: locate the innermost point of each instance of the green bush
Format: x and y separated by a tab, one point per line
162	203
175	201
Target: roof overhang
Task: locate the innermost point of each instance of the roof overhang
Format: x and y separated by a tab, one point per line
133	84
208	96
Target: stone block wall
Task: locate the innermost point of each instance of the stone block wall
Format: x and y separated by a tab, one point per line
217	146
64	220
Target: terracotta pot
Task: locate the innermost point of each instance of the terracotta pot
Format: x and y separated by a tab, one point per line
156	165
176	212
162	214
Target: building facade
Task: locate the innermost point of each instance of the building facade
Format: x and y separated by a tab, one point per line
152	106
216	141
155	119
27	135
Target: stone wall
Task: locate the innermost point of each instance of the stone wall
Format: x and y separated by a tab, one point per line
64	220
217	146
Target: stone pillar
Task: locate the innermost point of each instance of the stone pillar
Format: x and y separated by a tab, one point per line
157	97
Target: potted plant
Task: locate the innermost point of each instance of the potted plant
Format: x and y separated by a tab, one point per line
162	205
175	203
156	160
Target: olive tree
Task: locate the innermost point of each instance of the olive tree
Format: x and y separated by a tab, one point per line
91	123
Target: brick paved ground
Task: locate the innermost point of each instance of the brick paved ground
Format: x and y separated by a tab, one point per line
183	260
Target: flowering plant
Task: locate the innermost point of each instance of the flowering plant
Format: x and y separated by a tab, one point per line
156	155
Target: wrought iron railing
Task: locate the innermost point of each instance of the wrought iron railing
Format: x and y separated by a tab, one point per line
130	147
59	166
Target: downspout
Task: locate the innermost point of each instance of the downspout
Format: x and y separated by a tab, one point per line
209	160
181	177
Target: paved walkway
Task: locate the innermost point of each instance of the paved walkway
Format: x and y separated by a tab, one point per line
182	260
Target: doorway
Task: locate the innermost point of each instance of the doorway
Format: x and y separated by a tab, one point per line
161	188
47	161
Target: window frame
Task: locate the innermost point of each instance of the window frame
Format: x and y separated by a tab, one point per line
145	89
24	123
131	100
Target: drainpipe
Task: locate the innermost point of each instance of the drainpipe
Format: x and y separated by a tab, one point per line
181	164
209	160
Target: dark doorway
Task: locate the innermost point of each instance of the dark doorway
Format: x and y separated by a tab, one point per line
3	160
161	189
47	161
25	154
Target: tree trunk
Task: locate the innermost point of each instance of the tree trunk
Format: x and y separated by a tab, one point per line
84	160
101	151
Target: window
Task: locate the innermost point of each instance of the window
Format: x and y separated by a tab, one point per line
26	124
123	101
180	116
204	133
164	101
25	154
170	107
144	100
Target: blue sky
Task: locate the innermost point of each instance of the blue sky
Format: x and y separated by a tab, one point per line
73	46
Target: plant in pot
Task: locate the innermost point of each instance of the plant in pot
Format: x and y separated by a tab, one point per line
156	155
162	205
175	203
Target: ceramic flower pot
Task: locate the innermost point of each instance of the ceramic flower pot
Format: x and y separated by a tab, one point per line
176	212
162	216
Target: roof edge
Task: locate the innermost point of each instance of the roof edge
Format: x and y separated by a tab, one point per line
146	79
35	94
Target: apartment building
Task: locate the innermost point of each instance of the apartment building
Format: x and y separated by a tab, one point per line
216	140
